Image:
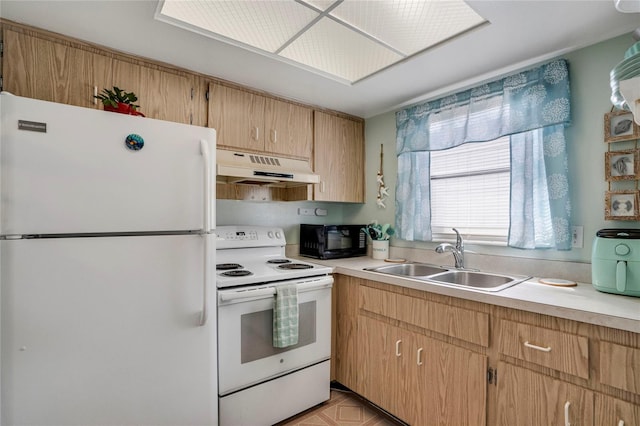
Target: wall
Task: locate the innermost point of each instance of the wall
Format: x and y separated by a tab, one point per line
274	213
590	92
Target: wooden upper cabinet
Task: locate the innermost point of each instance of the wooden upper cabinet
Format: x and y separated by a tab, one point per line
161	94
237	116
338	158
288	129
248	121
57	71
37	68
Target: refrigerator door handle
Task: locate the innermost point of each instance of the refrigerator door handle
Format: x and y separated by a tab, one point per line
205	282
206	156
204	150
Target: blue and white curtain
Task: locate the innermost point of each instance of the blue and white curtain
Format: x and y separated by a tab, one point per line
533	108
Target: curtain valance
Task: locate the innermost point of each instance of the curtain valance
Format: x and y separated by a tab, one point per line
528	100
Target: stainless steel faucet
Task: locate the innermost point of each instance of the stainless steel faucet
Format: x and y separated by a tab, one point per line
457	250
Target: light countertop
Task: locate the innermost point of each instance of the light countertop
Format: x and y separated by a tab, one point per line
580	303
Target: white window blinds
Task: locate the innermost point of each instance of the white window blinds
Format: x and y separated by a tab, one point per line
470	190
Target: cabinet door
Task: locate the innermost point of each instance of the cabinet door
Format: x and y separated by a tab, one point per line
526	398
288	129
338	158
237	116
161	94
446	384
380	376
345	358
614	412
37	68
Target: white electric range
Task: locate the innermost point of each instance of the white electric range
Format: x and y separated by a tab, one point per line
251	263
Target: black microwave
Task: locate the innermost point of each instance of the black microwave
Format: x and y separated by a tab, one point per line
332	241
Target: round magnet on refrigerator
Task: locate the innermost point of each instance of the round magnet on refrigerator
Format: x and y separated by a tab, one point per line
134	142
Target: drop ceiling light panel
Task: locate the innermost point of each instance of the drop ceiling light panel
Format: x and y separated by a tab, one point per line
346	40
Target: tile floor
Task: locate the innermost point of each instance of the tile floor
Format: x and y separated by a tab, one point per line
342	409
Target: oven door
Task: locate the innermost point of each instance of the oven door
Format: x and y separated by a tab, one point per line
246	354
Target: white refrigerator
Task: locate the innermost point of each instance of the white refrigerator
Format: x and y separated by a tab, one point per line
107	297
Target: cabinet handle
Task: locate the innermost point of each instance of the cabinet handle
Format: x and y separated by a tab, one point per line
398	347
95	93
419	357
274	136
256	133
566	414
621	423
537	348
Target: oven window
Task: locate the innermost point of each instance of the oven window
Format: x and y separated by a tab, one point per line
257	332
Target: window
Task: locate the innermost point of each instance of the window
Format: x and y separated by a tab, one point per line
470	191
532	109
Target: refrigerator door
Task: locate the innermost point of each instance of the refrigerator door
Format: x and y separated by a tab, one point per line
106	331
66	169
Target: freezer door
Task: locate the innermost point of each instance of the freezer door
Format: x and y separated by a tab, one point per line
106	331
78	176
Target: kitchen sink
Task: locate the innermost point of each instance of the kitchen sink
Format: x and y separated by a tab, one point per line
477	280
409	269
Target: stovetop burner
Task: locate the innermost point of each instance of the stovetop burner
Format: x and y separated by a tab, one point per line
278	261
295	266
237	273
227	266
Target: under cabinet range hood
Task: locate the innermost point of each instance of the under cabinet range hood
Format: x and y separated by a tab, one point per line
257	169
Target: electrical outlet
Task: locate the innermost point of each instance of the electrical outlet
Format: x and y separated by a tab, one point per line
306	212
576	236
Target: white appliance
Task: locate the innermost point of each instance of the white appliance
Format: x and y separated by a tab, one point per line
107	290
258	383
249	168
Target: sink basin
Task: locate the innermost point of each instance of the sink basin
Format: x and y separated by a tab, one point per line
409	269
472	279
478	280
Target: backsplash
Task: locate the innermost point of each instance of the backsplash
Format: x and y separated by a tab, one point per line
567	270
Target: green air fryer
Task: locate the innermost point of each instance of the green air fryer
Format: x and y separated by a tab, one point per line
615	261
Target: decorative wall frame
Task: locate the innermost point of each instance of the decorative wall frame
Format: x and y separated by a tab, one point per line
621	205
622	165
619	126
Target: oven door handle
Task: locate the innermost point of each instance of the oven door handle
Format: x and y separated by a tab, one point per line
304	286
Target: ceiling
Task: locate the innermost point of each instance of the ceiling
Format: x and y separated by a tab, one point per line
520	34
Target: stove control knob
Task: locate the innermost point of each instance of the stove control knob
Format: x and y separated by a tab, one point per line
270	234
278	235
622	249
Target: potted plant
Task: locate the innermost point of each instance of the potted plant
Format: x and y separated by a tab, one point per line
117	100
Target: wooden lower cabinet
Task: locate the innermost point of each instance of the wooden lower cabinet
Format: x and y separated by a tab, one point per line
345	330
381	375
410	353
527	398
421	380
614	412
